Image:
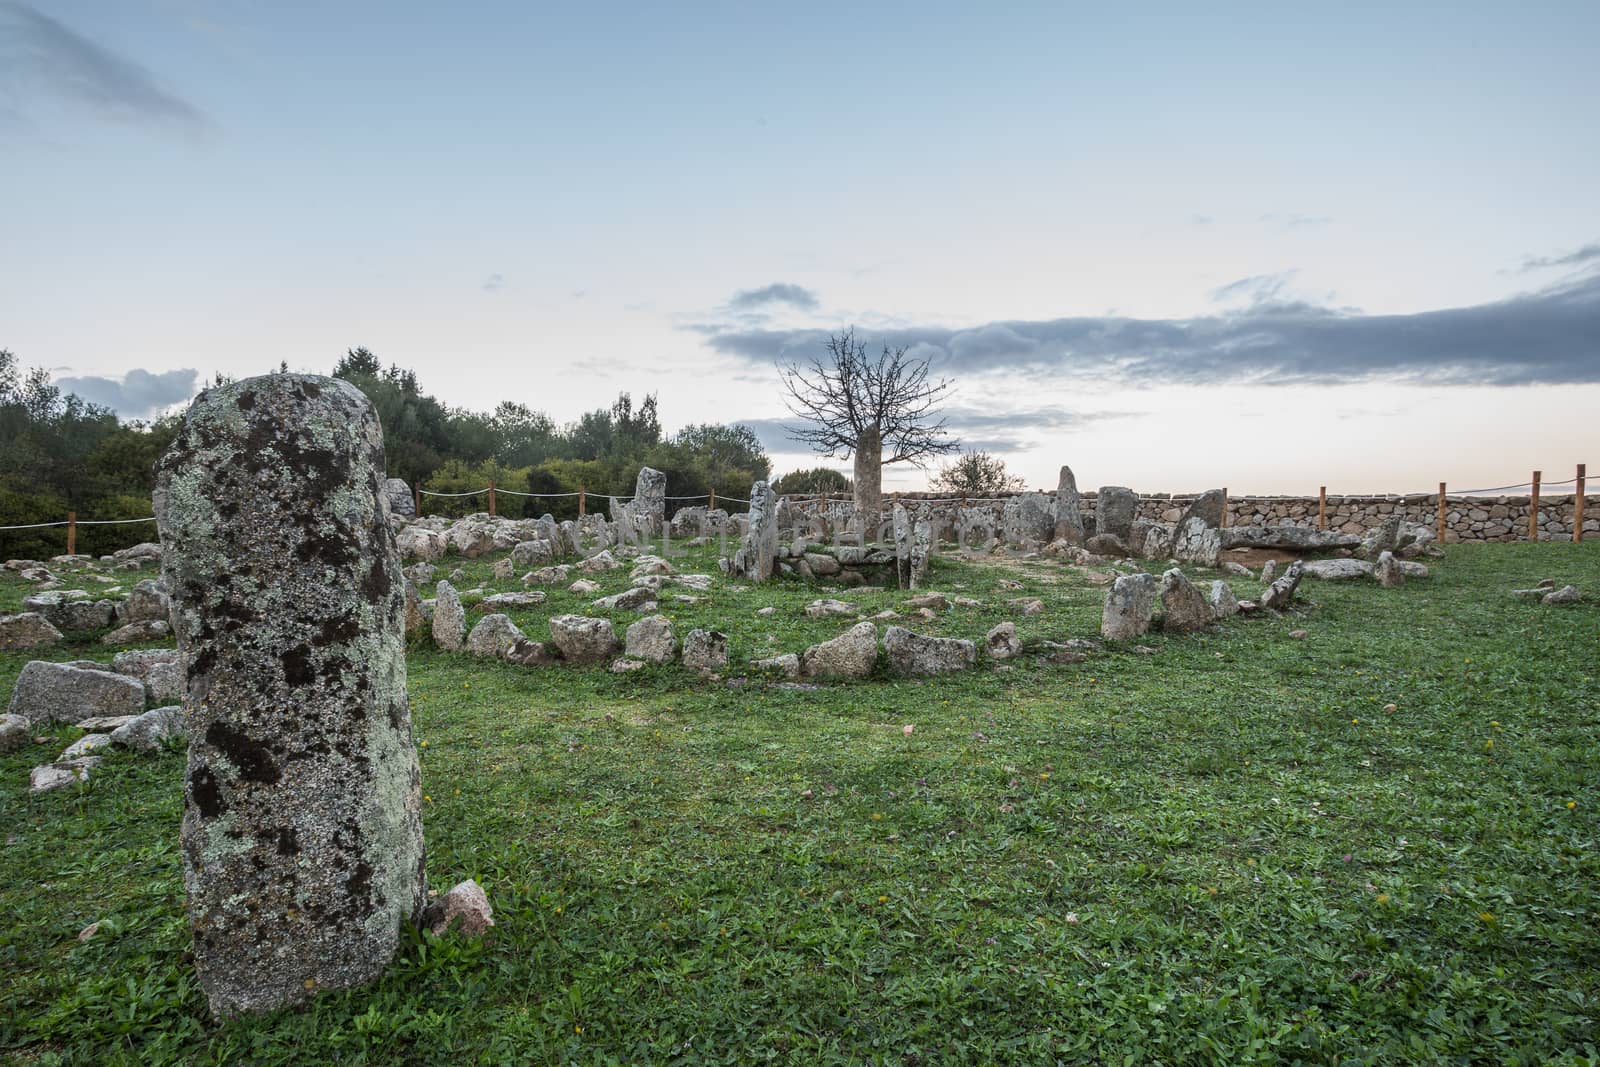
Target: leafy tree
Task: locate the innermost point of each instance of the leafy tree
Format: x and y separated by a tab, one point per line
810	482
976	474
859	405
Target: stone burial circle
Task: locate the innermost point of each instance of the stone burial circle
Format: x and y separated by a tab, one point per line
302	831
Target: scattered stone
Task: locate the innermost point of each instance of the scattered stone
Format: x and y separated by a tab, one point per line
1269	571
46	693
416	615
1336	570
531	653
147	602
821	565
493	637
599	563
148	732
1196	542
583	587
829	609
766	611
15	731
529	553
56	775
1387	570
158	668
787	665
449	619
1288	538
138	633
1027	605
1115	509
84	746
1002	642
1061	655
465	908
916	654
1184	608
582	639
705	650
1207	508
635	598
1109	545
89	931
1567	594
1412	569
850	655
651	640
627	666
549	575
1237	569
70	610
502	601
931	601
302	834
1298	635
27	629
1129	607
504	569
421	543
398	495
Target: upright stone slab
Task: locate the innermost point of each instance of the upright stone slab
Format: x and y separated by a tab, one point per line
902	546
1115	507
401	502
650	499
302	834
1129	607
921	549
1207	507
1069	511
757	557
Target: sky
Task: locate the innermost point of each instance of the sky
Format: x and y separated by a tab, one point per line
1260	246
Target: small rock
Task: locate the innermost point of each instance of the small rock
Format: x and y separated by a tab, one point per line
705	650
582	639
531	653
56	775
827	608
15	730
1002	642
138	633
787	665
1298	635
1387	570
148	732
1567	594
1030	605
651	640
83	746
28	629
917	654
449	619
627	666
548	575
1129	607
850	655
493	637
465	908
637	598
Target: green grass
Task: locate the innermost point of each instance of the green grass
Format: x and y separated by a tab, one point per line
1227	851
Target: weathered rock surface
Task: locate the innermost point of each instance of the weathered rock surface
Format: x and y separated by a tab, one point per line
302	833
1196	542
158	668
1069	509
530	553
1288	538
449	618
27	629
15	731
650	498
1129	608
421	543
1110	545
636	598
705	650
510	601
828	608
1207	507
916	654
56	775
84	746
581	639
548	575
850	655
71	614
401	501
47	693
757	556
147	602
1002	642
1184	608
651	640
1336	570
532	653
1567	594
138	633
788	665
1387	570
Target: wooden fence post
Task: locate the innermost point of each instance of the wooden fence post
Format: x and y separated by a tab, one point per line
582	507
1322	508
491	497
1533	508
713	505
416	496
1224	507
72	533
1441	513
1577	505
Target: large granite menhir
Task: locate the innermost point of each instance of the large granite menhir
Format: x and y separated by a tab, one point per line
302	833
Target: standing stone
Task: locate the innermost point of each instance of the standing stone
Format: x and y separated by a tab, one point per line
1196	542
868	485
1387	570
302	830
921	550
1207	507
902	546
1114	510
1129	607
1223	603
449	618
401	502
650	499
1277	595
1069	510
757	556
1185	609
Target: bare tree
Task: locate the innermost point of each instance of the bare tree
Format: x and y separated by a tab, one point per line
861	406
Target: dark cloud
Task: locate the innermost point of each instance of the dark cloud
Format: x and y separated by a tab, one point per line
40	56
776	293
1551	336
139	394
1589	253
1258	288
998	430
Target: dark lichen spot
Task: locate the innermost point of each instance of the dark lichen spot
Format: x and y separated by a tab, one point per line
336	631
359	886
253	759
288	841
397	715
205	792
247	400
297	666
376	584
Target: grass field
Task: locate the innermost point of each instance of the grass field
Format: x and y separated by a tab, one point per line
1228	851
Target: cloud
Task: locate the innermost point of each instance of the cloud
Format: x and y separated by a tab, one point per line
42	57
777	293
1257	289
494	283
1293	221
1543	337
1589	253
140	394
997	429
